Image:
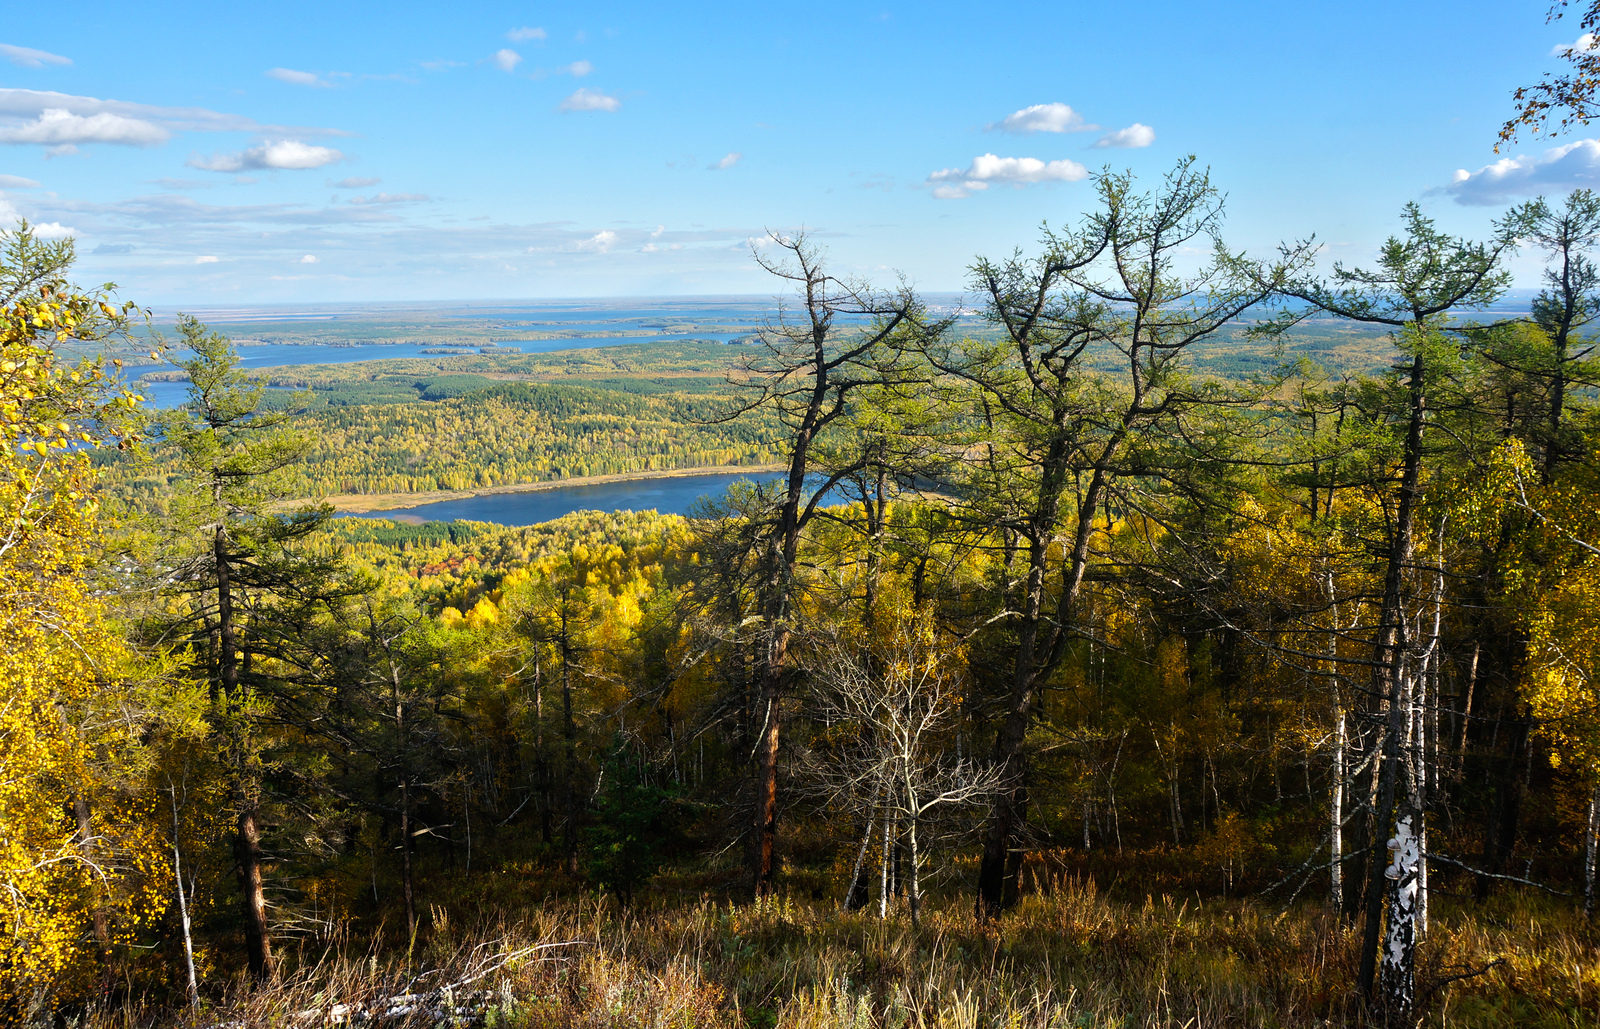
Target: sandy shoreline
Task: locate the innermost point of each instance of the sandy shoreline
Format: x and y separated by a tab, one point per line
366	503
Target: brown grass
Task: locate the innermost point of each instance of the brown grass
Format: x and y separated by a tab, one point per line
1067	956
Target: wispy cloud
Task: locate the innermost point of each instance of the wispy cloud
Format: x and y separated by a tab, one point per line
298	78
355	182
987	169
285	155
207	259
55	127
27	57
527	34
577	69
16	182
392	198
1130	138
590	100
505	60
17	105
727	162
1044	118
166	183
1558	169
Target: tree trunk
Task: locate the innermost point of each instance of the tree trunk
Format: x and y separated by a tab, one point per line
1389	655
1336	815
192	986
1399	955
247	870
1591	852
855	898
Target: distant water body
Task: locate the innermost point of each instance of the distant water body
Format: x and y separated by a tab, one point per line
675	495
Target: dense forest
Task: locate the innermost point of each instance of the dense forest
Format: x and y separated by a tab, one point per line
1115	664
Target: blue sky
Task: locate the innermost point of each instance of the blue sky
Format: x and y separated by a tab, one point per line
205	153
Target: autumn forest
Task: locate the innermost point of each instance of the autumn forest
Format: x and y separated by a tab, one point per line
1065	674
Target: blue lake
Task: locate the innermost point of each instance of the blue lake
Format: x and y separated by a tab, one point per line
669	496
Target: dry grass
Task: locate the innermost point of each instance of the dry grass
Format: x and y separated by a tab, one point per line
1066	956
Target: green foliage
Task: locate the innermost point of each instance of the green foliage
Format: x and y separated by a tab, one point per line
633	826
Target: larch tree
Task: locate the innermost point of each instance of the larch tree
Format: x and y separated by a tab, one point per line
1421	277
231	567
816	359
1057	431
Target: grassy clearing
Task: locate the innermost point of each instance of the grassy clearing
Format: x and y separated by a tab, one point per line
1067	956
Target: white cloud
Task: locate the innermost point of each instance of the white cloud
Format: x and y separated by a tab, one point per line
309	259
577	69
1130	138
392	198
1556	170
590	100
1044	118
27	57
599	243
53	230
16	182
505	60
727	162
659	230
18	105
285	154
1581	44
525	34
298	78
61	128
207	259
356	182
955	183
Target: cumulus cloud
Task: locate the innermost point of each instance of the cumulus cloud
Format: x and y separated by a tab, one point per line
527	34
1044	118
590	100
1556	170
285	154
392	198
1130	138
16	182
356	182
27	57
727	162
207	259
599	243
57	127
505	60
298	78
1583	43
53	230
309	259
577	69
954	183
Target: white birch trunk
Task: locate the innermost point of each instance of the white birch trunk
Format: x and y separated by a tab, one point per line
1398	971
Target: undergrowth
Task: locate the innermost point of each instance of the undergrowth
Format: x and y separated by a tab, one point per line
1064	957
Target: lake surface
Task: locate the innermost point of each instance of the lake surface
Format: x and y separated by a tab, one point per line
674	495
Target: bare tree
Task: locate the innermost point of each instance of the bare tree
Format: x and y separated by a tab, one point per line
891	709
844	338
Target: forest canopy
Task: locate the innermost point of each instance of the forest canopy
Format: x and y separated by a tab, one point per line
1119	595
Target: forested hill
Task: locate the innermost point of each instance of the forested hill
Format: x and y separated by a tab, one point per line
394	434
